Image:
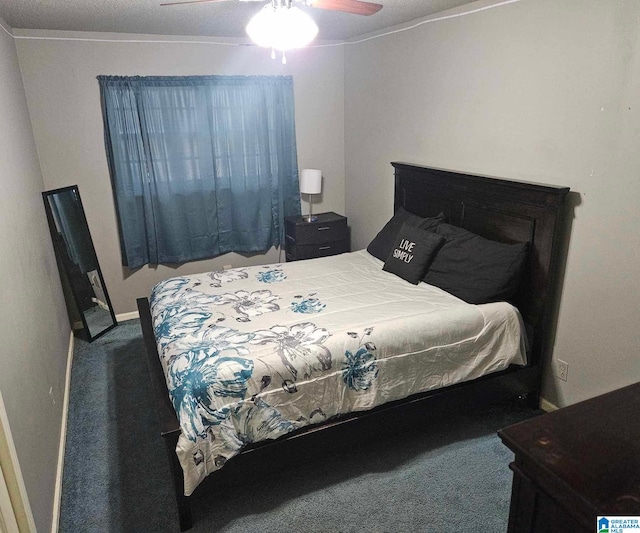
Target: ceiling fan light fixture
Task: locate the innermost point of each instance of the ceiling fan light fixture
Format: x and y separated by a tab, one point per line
281	28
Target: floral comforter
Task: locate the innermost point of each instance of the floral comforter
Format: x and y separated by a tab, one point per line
253	353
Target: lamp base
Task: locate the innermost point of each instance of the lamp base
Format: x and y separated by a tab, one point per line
310	218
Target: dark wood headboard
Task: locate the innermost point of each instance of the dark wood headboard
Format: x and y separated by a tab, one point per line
502	210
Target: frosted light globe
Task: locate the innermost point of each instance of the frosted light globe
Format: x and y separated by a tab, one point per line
281	28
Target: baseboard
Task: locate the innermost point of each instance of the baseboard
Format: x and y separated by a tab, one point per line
57	497
14	481
123	317
547	406
8	521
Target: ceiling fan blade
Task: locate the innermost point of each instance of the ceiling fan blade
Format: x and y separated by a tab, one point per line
357	7
191	2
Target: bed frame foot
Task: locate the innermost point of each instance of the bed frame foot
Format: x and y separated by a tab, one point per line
184	513
183	502
532	400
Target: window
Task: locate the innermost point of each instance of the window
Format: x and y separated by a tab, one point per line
200	165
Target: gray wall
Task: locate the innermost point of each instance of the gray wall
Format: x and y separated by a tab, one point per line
63	98
33	326
538	90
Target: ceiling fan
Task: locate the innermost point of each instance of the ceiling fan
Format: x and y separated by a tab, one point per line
356	7
280	25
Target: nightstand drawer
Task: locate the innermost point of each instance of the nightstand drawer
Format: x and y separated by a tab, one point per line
309	251
318	232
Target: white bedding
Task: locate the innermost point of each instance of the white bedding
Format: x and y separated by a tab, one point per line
253	353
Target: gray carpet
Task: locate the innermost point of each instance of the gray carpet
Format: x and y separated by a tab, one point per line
407	471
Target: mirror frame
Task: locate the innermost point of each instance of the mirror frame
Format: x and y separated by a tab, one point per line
66	275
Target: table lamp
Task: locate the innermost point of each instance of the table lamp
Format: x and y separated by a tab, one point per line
311	183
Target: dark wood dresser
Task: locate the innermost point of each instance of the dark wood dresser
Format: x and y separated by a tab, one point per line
576	463
327	235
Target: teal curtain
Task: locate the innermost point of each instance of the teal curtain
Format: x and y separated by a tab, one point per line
200	165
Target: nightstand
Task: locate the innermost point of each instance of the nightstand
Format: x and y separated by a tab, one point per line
326	235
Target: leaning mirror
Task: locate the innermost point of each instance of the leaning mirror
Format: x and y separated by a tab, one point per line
90	310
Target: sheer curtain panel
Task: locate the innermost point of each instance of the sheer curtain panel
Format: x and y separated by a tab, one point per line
200	165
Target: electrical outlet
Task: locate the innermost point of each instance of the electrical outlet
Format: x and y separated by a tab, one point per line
562	370
226	267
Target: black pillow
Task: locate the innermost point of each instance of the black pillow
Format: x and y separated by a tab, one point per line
476	269
383	242
412	253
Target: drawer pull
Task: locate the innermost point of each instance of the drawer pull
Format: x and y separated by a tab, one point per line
324	248
324	228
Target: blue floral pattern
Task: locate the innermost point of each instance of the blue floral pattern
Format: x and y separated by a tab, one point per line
177	320
224	374
271	276
307	306
360	368
196	385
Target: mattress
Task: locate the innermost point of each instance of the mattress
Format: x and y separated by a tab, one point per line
253	353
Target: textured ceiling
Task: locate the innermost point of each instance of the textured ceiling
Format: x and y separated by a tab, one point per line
219	19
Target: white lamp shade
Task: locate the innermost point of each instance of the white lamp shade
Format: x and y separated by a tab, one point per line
282	28
311	181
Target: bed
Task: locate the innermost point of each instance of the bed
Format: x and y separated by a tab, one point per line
251	356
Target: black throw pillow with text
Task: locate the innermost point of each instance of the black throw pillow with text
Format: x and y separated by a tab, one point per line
383	242
412	253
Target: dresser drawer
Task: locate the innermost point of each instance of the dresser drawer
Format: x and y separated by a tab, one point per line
318	232
309	251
